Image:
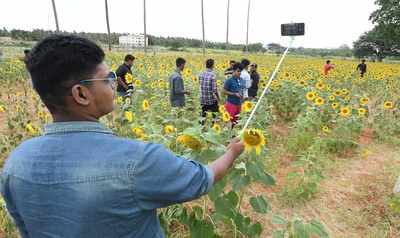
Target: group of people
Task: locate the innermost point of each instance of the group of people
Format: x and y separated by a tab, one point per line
241	84
361	68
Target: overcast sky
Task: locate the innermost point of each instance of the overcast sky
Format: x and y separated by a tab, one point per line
329	24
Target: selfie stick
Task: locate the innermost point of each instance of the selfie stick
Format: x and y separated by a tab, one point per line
267	86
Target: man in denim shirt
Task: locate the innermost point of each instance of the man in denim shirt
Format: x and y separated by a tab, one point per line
81	180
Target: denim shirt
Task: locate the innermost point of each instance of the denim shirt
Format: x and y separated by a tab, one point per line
80	180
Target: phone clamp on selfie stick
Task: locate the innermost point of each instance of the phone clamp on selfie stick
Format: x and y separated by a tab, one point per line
292	30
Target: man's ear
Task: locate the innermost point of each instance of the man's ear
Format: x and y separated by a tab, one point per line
81	95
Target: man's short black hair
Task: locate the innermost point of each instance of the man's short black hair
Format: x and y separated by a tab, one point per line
26	51
58	62
245	63
328	61
232	61
180	61
363	60
210	63
237	66
129	58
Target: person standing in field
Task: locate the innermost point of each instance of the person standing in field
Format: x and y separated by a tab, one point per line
81	180
362	68
327	67
245	78
228	72
232	88
255	79
176	86
124	72
209	96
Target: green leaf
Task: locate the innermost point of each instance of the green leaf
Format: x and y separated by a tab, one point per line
239	182
256	172
318	229
278	234
255	230
217	189
201	229
301	230
260	205
224	207
233	198
276	219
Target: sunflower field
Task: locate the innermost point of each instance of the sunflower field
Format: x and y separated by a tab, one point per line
305	122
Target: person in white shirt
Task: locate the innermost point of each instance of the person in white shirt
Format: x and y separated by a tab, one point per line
397	186
245	78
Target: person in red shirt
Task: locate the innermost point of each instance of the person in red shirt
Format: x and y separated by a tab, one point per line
327	67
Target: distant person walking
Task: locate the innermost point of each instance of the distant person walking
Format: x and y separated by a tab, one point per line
246	79
209	96
176	86
124	85
327	67
255	79
228	72
232	88
362	68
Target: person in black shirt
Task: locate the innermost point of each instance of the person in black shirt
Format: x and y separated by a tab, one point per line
362	68
228	72
122	71
255	79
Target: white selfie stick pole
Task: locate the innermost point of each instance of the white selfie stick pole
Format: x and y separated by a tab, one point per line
267	86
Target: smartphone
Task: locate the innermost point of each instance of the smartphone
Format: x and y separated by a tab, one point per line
292	29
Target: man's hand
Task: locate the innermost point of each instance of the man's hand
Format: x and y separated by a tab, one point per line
238	95
221	166
235	147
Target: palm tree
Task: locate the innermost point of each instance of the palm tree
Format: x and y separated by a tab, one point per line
202	24
227	25
108	27
247	32
144	22
55	15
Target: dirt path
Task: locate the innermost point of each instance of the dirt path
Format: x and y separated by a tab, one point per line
353	198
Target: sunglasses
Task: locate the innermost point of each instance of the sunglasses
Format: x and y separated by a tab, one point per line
111	79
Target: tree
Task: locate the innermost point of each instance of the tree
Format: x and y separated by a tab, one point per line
384	39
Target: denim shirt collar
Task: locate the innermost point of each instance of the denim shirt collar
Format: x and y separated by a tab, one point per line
75	126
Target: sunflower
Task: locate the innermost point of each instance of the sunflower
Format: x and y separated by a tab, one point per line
226	117
388	105
119	100
128	78
138	132
137	83
128	116
30	128
345	112
320	85
2	109
362	112
217	128
364	101
302	83
319	101
169	129
334	105
253	138
247	106
311	96
337	93
221	109
189	142
326	129
127	101
145	105
332	98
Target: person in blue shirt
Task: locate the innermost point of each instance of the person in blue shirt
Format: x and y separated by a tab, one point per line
79	179
233	88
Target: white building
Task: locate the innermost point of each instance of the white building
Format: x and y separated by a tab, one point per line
133	40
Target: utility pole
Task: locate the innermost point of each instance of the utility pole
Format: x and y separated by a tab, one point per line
247	32
144	21
227	26
55	15
108	27
202	23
